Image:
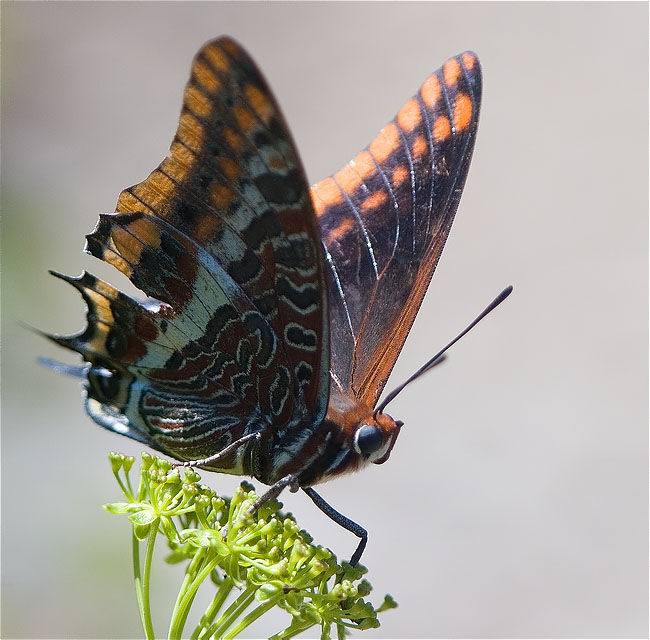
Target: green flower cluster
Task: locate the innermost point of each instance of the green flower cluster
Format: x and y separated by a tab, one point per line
254	562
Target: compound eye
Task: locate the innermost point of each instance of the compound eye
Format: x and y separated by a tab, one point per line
368	439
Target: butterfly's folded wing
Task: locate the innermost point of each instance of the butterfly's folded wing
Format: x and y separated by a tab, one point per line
384	220
223	235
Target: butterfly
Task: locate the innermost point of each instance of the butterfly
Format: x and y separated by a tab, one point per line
274	312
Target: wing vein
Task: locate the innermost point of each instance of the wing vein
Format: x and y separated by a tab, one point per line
330	262
432	175
395	209
361	226
409	158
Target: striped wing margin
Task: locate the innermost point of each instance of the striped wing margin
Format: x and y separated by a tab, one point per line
223	237
384	220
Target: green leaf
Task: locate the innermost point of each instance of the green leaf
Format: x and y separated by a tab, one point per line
167	525
368	623
175	557
205	538
143	516
360	609
387	604
269	590
119	507
141	531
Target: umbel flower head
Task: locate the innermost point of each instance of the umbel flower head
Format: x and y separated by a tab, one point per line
254	562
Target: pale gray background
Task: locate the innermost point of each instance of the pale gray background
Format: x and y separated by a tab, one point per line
515	501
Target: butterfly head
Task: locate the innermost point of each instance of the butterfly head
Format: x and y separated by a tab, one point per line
353	436
374	437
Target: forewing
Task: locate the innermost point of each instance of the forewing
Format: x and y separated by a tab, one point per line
384	220
224	236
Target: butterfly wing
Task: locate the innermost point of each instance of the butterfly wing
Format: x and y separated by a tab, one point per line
222	236
384	220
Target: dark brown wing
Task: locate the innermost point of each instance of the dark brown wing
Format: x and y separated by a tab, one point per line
224	235
384	221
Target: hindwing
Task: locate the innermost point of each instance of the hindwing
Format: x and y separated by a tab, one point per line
222	236
384	220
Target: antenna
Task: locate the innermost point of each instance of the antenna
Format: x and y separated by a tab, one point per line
439	357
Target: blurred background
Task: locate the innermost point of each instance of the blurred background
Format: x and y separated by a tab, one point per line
515	503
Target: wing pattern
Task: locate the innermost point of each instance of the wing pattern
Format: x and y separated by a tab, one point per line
384	220
223	238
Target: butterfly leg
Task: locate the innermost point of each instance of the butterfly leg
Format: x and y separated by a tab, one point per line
342	521
290	481
222	454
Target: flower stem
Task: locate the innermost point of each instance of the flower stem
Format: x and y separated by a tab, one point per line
142	582
233	612
251	617
201	631
292	631
188	592
181	610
